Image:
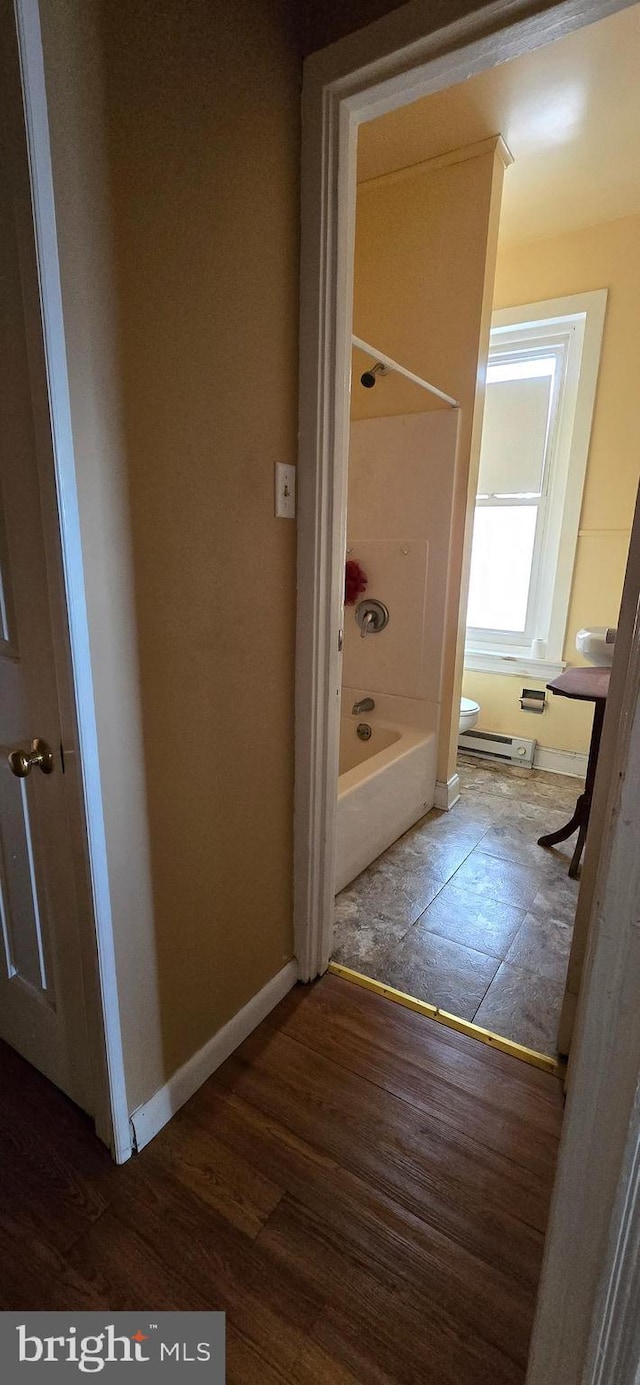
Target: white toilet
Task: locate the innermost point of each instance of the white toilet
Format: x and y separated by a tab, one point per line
469	713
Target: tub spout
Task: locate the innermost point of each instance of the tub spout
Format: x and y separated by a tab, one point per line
367	705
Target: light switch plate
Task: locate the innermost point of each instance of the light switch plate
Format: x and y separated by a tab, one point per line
285	476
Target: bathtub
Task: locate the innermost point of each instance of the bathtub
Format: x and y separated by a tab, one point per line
385	784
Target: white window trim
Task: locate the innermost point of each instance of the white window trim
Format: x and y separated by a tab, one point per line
583	314
487	661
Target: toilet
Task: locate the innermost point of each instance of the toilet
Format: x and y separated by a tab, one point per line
469	713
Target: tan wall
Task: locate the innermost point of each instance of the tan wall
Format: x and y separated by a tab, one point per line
203	121
179	249
425	243
604	256
317	23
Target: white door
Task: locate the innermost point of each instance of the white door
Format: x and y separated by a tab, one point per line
42	1004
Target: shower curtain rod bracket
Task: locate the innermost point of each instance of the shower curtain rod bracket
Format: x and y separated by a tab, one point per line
402	370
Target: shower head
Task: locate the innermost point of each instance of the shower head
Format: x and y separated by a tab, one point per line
368	379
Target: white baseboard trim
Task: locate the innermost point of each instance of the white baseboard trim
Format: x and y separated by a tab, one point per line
150	1117
447	794
560	761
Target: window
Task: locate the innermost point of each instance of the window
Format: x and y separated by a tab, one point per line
540	390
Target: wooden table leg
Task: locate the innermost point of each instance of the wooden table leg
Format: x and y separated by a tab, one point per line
580	820
576	822
575	859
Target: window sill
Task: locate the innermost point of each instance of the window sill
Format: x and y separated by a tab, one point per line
485	661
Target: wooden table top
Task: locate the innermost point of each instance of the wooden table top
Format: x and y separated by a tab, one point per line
583	684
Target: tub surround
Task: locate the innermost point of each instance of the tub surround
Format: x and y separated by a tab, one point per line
401	472
408	711
401	475
426	241
398	659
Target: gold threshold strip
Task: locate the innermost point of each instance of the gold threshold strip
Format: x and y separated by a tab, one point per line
422	1007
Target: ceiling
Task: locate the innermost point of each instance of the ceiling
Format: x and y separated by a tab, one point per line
570	114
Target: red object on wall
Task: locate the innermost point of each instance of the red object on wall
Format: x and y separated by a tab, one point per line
355	581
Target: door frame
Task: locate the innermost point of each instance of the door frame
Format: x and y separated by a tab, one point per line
56	465
388	64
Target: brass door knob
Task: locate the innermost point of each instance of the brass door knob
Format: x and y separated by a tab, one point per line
21	762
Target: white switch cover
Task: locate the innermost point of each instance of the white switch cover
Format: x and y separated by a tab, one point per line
285	491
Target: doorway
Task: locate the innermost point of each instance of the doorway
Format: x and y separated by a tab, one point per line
343	88
373	236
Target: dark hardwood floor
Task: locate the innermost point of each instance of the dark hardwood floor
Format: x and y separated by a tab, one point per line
364	1193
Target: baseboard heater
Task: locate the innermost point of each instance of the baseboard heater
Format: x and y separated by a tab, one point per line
509	750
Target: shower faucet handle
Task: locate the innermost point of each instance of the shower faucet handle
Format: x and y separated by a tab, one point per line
372	616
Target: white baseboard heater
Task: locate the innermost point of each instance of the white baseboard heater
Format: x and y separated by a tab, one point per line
487	745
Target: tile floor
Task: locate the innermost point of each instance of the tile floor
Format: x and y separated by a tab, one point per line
467	911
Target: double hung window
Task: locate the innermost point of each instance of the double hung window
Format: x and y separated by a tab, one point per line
537	416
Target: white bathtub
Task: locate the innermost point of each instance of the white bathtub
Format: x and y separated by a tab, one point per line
385	785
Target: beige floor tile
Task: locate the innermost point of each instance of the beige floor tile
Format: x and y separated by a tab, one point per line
557	899
384	893
467	911
523	1007
487	925
423	852
496	878
446	974
542	946
518	841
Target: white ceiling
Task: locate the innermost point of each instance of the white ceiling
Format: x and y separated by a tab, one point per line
570	114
